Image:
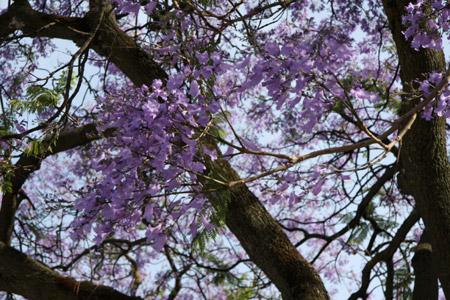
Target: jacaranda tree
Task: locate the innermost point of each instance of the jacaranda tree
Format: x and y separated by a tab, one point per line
224	149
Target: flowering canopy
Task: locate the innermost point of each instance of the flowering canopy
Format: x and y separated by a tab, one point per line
224	149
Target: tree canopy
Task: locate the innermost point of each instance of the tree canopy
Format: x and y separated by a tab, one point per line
224	149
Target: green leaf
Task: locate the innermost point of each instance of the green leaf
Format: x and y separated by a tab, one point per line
6	184
338	107
359	234
218	132
35	148
241	294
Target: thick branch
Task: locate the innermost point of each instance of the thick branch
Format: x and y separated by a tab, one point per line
21	17
20	274
263	239
109	42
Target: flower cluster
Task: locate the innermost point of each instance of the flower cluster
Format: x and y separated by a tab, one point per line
426	24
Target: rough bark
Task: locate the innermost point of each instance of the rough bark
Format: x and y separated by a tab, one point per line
109	41
426	285
20	274
260	235
424	167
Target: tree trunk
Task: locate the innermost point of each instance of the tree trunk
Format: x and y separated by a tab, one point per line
426	285
424	167
262	237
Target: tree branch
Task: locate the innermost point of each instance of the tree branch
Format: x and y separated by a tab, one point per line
109	42
385	255
20	274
